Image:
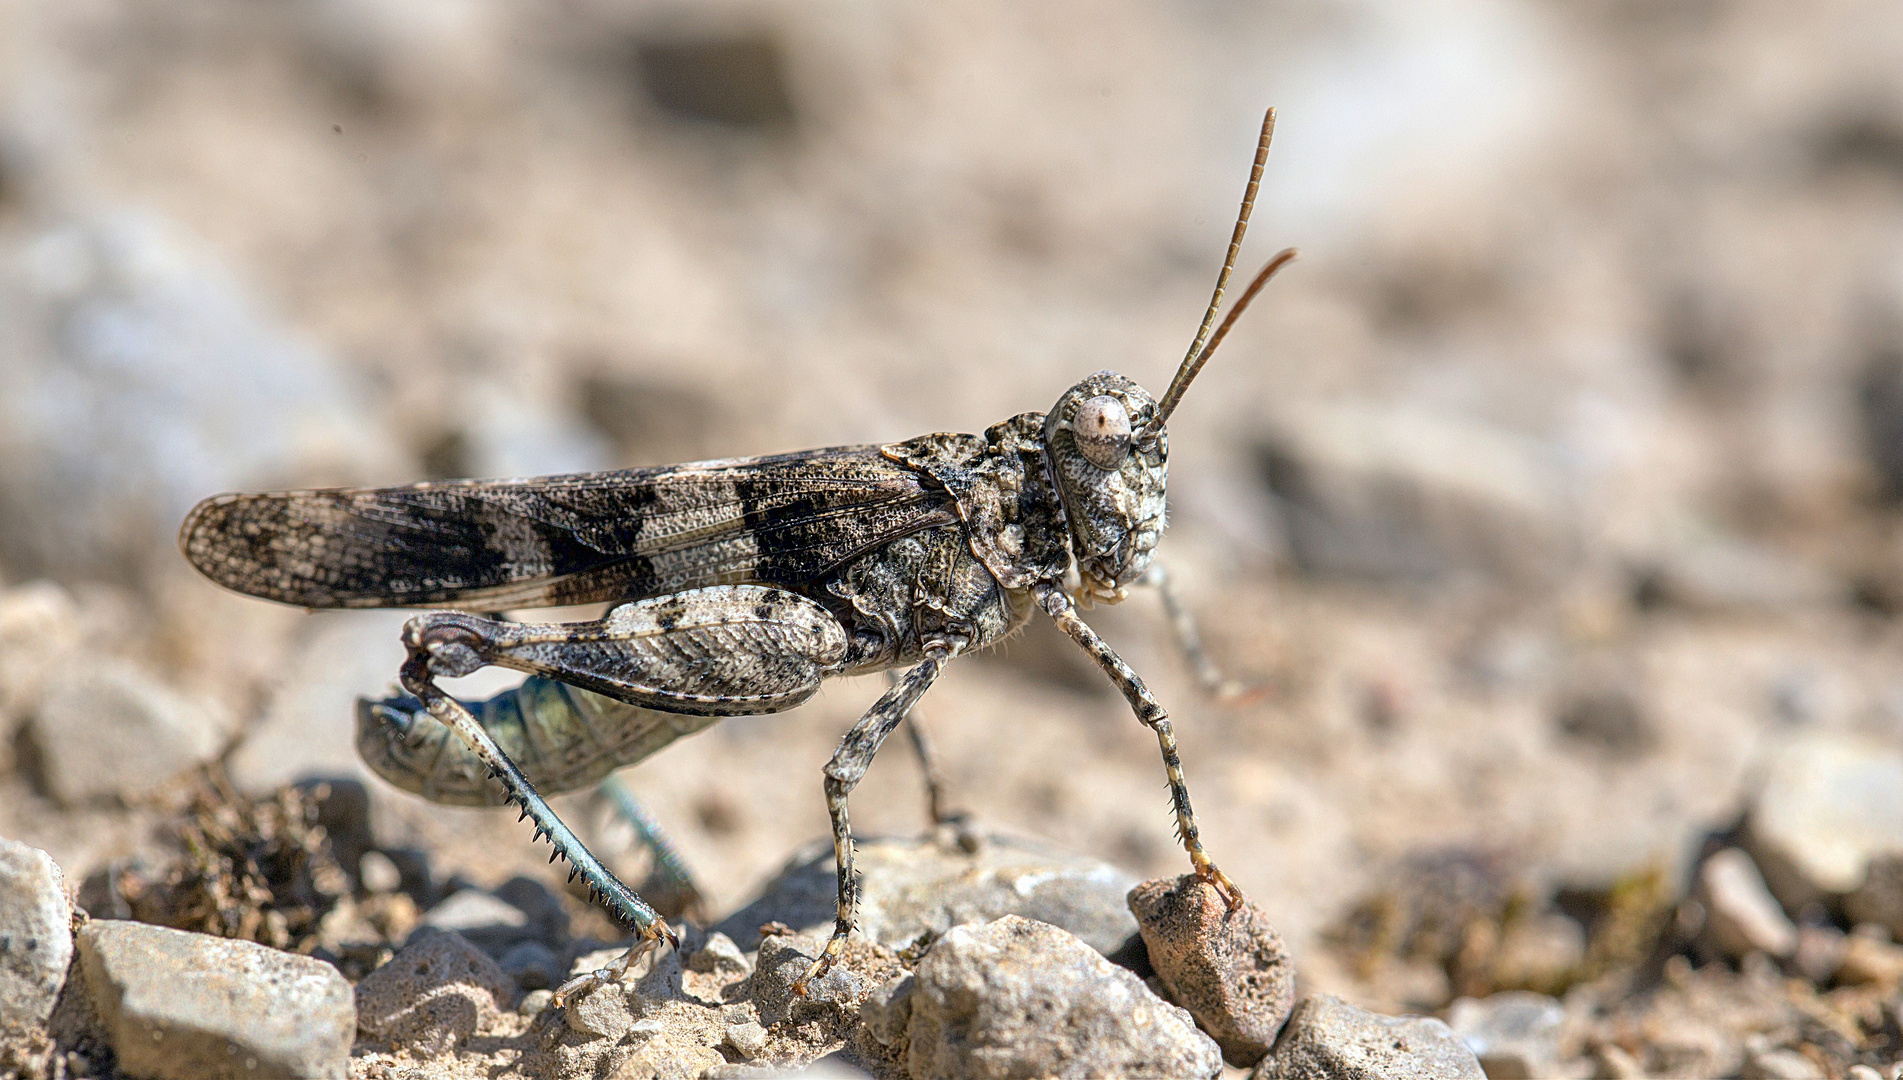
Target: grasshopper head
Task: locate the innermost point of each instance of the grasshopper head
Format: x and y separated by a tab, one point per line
1107	447
1111	465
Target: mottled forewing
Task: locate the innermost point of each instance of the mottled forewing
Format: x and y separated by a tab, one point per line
576	539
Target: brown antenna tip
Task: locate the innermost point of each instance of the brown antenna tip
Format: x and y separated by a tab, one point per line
1204	345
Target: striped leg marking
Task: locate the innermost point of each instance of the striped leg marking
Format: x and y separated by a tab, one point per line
843	773
1152	714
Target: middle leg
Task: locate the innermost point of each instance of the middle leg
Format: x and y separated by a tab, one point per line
668	882
1189	640
927	763
843	773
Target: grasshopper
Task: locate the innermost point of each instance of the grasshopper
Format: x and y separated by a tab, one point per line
738	586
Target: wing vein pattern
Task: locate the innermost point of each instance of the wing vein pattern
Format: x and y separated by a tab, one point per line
574	539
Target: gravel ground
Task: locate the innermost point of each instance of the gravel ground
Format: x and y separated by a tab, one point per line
1548	509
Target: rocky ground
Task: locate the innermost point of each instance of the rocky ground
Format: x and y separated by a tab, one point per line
1548	508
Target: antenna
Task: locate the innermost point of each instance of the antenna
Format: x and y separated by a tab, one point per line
1204	345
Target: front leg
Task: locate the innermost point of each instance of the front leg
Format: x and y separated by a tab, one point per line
843	773
1151	712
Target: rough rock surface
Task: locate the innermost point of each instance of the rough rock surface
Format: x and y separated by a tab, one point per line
109	730
1228	968
915	886
675	1016
1515	1034
434	995
830	1007
1329	1039
718	953
1828	805
194	1007
36	938
1016	997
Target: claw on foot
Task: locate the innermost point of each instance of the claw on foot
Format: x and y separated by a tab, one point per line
821	966
1230	894
650	939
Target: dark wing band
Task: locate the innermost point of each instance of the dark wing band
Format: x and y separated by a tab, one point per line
577	539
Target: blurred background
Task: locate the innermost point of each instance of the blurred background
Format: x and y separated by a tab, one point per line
1550	499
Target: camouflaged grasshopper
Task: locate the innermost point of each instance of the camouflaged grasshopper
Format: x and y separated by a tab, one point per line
739	585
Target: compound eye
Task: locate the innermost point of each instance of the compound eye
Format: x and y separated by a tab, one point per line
1103	431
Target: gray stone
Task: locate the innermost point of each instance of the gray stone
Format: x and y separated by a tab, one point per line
832	999
613	1010
1399	491
1772	1063
39	629
534	1002
194	1007
1820	953
887	1011
1329	1039
487	921
1879	899
1828	805
1723	574
913	887
378	873
747	1039
718	954
533	965
605	1012
547	918
140	378
1741	915
1515	1035
305	730
1228	968
432	996
108	730
36	937
1015	997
